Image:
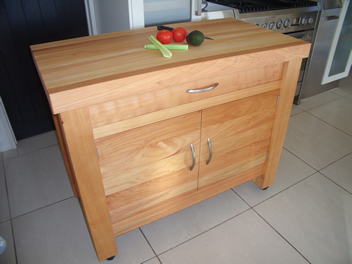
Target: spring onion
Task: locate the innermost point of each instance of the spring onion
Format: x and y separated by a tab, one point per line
168	46
166	53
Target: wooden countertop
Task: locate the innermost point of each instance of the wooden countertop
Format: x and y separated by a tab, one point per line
89	67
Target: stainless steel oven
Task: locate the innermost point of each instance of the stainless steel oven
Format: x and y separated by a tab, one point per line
296	18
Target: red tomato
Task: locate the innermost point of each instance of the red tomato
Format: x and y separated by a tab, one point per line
179	34
164	36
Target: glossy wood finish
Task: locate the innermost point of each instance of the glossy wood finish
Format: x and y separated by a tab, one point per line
81	147
240	132
128	122
65	154
172	96
140	156
87	71
287	92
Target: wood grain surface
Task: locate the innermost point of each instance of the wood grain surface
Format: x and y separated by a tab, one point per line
81	147
85	71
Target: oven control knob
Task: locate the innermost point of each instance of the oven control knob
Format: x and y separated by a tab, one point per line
287	23
265	25
272	25
304	21
310	20
279	24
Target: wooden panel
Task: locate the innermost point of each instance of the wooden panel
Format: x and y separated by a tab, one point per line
141	155
287	92
103	131
156	100
126	220
240	132
65	155
80	143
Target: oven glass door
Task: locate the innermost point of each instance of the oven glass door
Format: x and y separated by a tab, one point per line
340	55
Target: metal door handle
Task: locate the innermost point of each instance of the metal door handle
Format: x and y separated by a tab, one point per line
193	157
210	151
327	18
203	90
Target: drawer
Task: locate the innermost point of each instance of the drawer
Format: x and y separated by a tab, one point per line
170	97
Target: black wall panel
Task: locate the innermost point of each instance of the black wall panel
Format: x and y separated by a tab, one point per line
24	23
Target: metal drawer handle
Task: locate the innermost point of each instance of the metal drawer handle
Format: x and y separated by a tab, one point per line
210	151
203	90
194	157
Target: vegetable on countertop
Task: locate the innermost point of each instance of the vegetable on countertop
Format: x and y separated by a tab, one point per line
179	34
164	36
166	53
168	46
195	38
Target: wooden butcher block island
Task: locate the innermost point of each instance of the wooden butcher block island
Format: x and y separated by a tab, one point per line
144	136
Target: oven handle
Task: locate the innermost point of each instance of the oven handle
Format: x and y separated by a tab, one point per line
199	8
328	18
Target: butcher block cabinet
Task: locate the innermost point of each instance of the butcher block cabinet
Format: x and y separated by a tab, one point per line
145	136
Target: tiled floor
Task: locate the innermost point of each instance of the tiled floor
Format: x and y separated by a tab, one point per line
305	217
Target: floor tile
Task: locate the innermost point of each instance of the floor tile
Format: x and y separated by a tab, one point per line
315	217
341	172
348	97
243	239
128	245
152	261
58	234
341	91
54	234
345	83
290	171
295	110
41	141
4	204
337	113
316	142
316	100
35	180
8	154
8	256
192	221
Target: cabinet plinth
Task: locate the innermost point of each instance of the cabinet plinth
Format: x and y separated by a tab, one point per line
139	147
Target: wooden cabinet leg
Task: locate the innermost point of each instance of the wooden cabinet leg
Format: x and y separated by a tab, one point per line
287	92
64	152
81	146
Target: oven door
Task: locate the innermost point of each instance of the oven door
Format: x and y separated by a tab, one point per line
340	54
306	36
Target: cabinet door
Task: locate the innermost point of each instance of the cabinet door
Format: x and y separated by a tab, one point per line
239	133
145	166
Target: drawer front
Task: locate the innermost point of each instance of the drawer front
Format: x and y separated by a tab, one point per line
147	165
239	133
161	99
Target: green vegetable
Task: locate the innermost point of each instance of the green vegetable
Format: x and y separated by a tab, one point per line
168	46
166	53
195	38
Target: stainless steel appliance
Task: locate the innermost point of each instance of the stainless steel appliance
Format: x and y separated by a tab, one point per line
296	18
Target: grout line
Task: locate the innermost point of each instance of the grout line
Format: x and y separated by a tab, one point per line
145	237
282	236
12	218
329	124
300	159
219	224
